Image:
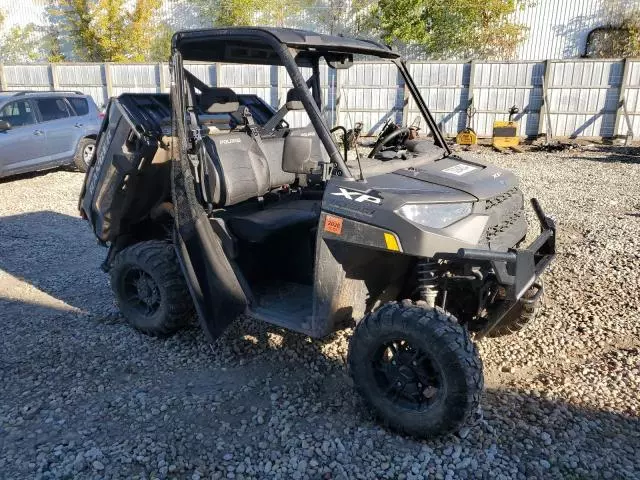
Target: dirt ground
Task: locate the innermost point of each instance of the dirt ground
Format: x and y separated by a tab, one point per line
82	395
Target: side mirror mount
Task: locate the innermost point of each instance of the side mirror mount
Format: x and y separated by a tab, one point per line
4	126
296	157
339	62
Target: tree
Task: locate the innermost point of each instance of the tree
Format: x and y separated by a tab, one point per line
349	17
161	46
108	30
451	28
621	36
20	43
250	12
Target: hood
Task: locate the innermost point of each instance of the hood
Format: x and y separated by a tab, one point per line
463	173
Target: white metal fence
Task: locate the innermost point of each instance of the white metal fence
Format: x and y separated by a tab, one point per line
573	97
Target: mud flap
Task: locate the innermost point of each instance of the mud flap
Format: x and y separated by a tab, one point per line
213	284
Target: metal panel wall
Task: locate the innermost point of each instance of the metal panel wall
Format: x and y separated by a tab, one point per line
371	93
583	97
583	94
445	89
631	95
498	86
138	78
87	78
557	29
27	77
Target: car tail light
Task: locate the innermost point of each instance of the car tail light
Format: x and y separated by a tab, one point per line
101	115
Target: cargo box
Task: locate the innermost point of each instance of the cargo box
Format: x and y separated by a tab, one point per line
132	153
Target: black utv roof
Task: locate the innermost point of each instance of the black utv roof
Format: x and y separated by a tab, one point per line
256	44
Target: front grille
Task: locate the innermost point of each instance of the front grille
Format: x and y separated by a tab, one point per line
494	232
498	199
507	223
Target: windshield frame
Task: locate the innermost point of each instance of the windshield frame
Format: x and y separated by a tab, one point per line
311	50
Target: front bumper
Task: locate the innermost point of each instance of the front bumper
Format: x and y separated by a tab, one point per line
518	269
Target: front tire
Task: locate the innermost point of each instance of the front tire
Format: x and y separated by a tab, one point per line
150	289
416	368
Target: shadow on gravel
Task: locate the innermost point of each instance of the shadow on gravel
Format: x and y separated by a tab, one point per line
611	154
39	173
53	252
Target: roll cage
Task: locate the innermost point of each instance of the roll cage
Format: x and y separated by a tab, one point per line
292	49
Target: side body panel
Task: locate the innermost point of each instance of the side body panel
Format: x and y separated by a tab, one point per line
23	147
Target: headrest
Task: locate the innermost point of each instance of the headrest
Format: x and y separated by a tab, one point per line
294	99
219	100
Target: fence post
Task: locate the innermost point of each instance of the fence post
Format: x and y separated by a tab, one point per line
3	79
161	76
218	72
471	96
108	80
55	84
621	98
405	101
544	107
338	97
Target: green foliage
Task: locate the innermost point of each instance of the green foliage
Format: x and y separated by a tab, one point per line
621	37
451	28
249	12
20	44
109	30
161	45
349	17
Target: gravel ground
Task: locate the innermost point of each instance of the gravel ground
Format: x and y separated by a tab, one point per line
84	396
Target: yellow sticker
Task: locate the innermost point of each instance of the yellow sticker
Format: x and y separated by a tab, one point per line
392	243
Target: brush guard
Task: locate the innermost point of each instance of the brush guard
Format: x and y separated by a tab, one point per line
518	269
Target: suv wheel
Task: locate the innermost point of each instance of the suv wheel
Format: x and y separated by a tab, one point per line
84	154
417	369
150	289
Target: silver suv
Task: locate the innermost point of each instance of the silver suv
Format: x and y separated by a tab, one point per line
40	130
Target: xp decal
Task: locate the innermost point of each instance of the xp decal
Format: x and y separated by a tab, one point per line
357	196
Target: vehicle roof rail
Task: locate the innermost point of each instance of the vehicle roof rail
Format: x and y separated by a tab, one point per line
29	92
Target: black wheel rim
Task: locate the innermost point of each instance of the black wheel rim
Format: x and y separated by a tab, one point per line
141	292
406	375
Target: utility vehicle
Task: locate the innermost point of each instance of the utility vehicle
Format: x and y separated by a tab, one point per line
203	207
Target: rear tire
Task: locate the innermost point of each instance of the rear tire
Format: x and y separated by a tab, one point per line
416	368
150	289
84	154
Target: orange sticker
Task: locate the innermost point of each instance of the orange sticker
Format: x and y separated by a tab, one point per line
333	225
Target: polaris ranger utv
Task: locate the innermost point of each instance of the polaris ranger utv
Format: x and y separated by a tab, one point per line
211	201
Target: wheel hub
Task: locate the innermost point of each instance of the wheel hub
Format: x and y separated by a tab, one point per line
405	374
141	291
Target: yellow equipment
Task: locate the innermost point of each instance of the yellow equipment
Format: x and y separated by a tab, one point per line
467	136
505	134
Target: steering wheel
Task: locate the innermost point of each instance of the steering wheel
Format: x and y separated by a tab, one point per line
388	138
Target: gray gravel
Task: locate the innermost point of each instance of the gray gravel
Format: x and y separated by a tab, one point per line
84	396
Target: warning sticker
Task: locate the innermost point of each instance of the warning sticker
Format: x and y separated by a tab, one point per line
460	169
333	225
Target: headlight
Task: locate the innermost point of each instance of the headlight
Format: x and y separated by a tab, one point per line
435	215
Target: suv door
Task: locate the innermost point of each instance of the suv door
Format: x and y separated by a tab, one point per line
22	147
88	119
57	120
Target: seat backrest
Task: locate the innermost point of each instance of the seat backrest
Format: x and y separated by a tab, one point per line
274	151
236	169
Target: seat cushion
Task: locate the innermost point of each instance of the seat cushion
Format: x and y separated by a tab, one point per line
257	226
